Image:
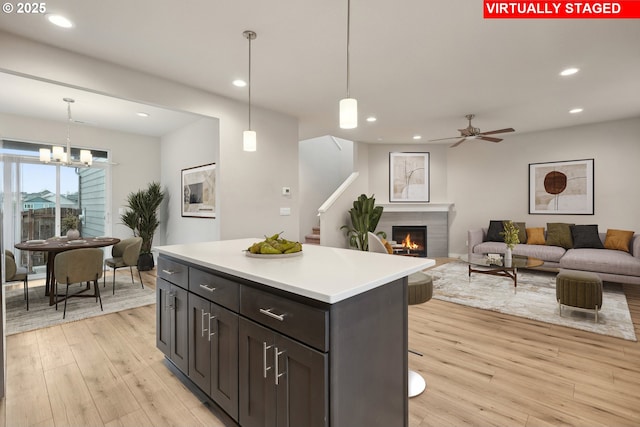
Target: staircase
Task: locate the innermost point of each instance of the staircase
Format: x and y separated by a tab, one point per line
314	237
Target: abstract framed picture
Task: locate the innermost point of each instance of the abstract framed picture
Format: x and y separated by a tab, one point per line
408	177
564	188
198	191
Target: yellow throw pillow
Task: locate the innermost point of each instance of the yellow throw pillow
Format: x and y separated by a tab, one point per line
387	245
535	236
618	239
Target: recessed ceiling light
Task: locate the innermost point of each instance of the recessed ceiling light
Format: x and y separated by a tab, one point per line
59	20
239	83
142	114
569	71
576	110
371	119
417	137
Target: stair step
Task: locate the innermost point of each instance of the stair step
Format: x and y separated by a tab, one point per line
316	230
313	239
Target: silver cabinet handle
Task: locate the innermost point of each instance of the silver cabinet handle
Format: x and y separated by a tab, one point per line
202	328
271	314
211	333
207	287
265	368
276	356
169	272
172	296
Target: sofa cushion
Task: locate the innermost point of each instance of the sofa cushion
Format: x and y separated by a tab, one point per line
522	231
602	261
559	234
493	233
586	236
535	236
618	239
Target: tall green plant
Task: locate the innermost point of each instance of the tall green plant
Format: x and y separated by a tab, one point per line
142	214
364	218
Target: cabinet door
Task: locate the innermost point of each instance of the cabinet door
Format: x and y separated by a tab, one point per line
163	316
301	385
224	359
200	342
257	383
180	328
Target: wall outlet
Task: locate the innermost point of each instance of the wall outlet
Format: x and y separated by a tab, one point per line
285	211
286	191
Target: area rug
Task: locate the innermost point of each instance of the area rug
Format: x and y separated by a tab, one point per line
534	298
42	315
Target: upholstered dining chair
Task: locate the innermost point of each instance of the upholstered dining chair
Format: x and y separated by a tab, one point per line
124	254
420	290
78	266
13	273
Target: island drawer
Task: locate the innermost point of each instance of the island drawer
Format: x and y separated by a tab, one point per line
307	324
174	272
214	288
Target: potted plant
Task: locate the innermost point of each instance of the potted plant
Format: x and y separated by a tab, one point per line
511	238
142	218
69	225
364	218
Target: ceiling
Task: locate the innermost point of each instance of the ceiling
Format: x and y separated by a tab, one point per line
418	66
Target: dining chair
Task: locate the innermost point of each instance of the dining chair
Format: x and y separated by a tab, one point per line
124	254
78	266
13	273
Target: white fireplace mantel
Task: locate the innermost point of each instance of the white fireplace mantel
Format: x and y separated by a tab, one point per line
416	207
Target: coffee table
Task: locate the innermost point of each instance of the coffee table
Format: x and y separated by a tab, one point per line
500	267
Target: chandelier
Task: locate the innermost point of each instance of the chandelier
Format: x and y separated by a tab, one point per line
57	154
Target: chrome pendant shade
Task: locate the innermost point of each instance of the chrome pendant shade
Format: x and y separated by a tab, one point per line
249	137
58	154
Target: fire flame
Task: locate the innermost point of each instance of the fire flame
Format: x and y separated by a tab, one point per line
407	243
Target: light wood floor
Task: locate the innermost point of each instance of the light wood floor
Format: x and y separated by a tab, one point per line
482	369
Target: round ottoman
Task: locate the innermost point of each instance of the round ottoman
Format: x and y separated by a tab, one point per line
420	290
579	290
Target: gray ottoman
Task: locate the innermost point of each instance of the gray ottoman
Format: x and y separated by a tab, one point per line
579	290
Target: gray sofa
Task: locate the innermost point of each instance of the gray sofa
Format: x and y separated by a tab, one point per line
610	265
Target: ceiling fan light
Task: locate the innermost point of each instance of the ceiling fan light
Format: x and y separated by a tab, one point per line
249	140
58	154
86	158
348	113
45	155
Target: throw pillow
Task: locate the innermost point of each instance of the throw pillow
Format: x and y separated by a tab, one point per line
559	234
618	239
522	231
586	236
535	236
495	228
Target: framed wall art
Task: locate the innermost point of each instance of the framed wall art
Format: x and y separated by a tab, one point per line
199	191
561	187
408	177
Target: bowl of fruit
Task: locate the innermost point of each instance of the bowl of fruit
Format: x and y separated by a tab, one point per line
274	247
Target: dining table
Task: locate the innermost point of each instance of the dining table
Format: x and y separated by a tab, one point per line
55	245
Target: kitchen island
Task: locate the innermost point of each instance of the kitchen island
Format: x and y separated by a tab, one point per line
318	339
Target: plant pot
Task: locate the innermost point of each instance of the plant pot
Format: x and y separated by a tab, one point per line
73	234
145	262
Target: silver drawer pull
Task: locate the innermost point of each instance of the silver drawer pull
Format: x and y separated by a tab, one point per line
265	368
276	355
207	287
203	329
269	313
169	272
211	331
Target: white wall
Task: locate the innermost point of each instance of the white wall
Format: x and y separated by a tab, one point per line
490	181
196	144
324	163
250	183
137	156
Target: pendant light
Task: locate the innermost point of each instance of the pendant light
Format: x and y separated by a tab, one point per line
59	155
348	105
249	136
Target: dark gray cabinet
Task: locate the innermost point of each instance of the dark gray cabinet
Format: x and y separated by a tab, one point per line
283	383
172	322
213	352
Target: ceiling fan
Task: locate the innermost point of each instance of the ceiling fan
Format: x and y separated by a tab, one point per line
474	133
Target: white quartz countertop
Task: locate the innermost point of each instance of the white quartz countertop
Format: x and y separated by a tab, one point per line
322	273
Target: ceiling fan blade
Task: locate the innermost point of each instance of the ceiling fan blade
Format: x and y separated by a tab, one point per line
458	143
444	139
491	132
489	138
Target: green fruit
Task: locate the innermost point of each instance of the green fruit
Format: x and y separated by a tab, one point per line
268	249
297	247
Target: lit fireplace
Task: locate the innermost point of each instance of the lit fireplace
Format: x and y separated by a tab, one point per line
410	240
